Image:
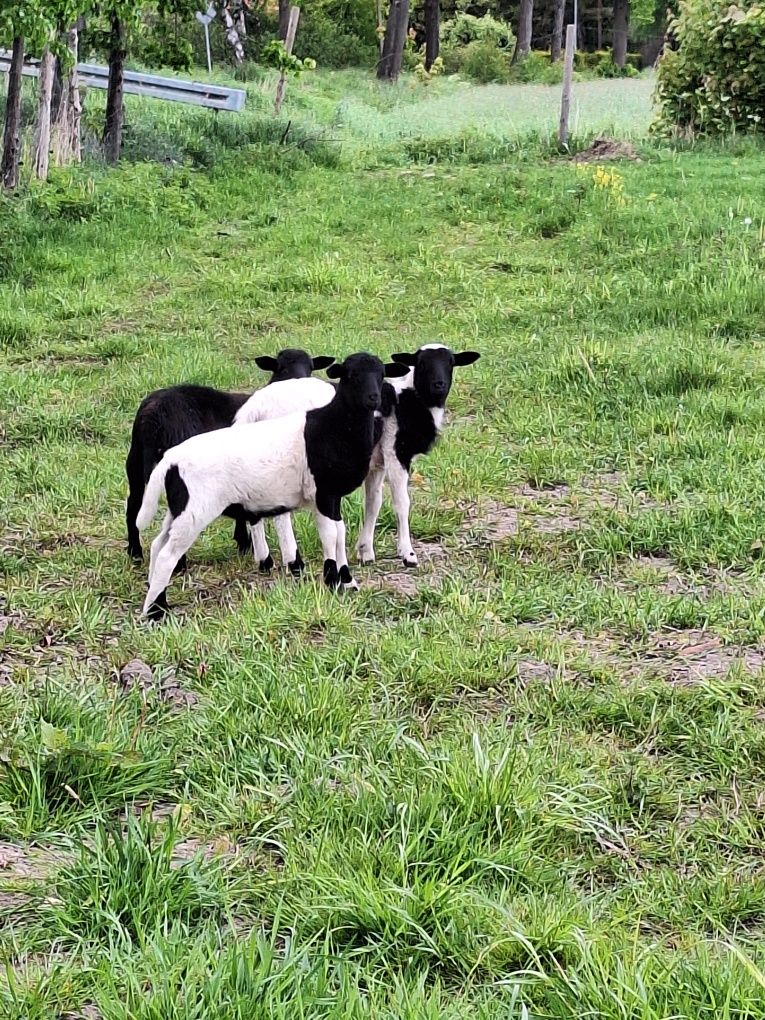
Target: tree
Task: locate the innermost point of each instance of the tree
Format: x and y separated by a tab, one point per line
525	20
284	18
432	40
115	110
41	151
621	31
65	131
9	165
556	42
232	33
396	28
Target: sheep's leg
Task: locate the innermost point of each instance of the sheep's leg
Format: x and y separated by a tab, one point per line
136	484
260	547
346	577
180	536
327	513
291	557
159	543
373	495
398	479
242	535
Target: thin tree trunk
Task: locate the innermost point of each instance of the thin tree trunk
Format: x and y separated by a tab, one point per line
9	165
241	23
599	24
621	29
66	124
556	43
232	36
58	85
525	19
284	18
432	33
115	112
41	154
389	67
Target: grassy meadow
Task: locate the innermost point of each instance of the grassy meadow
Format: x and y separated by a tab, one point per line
524	781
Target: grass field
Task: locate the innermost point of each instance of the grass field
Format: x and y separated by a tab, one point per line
524	781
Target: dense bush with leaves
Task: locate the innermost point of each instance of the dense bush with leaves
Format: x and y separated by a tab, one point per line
338	33
467	28
600	63
713	79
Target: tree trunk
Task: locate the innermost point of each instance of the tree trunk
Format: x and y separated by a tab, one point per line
599	24
621	28
432	34
58	85
115	112
284	18
41	154
393	44
232	35
9	166
66	124
241	23
556	43
525	18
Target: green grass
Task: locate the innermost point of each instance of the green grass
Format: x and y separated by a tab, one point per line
519	783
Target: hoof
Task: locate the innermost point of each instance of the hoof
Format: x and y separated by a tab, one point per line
347	579
158	610
267	565
364	555
135	552
331	575
181	566
409	561
296	567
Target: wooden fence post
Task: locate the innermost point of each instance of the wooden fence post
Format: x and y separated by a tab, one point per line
289	42
568	71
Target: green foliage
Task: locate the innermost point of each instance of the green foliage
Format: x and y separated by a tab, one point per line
466	28
338	33
600	63
483	62
537	67
274	54
713	81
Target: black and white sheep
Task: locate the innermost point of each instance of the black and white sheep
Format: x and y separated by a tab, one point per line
270	468
411	428
169	416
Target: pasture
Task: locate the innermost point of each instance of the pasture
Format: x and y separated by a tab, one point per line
525	780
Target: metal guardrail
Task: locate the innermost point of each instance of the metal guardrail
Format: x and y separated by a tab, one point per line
174	90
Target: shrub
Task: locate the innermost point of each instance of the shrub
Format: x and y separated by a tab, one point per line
337	33
713	81
537	67
601	64
467	28
482	62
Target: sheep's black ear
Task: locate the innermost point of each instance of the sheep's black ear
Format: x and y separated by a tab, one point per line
466	358
335	371
405	359
323	361
395	369
267	363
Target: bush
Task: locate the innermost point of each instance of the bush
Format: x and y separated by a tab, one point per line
713	81
337	33
601	64
467	28
537	67
482	62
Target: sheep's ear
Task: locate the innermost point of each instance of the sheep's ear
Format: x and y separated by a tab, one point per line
335	371
466	358
267	363
395	369
405	359
323	361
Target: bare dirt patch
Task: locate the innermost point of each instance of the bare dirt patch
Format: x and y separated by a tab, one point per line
692	656
159	683
28	863
605	149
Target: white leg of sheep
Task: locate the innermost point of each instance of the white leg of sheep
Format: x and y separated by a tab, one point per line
373	495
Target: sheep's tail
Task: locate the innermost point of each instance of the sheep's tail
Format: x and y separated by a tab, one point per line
151	495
